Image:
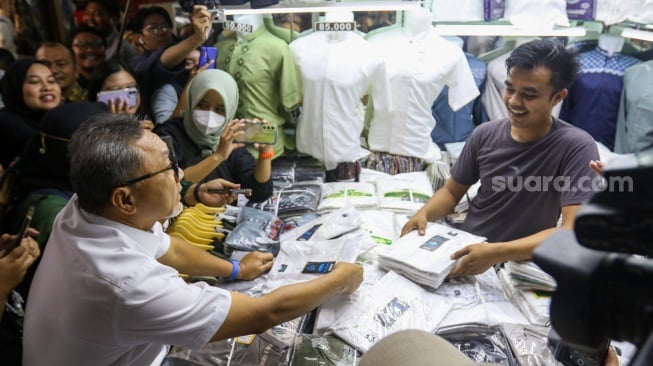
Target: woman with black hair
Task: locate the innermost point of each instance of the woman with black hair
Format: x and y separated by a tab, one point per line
28	90
115	76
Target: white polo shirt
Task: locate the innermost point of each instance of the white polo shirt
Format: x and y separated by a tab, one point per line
100	297
418	68
337	70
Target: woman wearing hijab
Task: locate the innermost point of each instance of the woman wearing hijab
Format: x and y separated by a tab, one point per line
28	90
203	137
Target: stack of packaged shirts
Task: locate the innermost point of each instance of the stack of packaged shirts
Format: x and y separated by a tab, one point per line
393	304
336	195
199	226
405	192
529	276
426	259
533	304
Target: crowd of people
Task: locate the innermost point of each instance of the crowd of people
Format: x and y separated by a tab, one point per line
97	273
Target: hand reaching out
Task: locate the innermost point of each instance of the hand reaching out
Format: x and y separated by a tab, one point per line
474	259
254	264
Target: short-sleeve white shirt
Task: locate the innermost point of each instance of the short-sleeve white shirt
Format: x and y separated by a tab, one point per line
418	68
336	73
100	297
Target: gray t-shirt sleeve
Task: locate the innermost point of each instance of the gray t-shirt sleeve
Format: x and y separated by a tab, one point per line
583	182
465	170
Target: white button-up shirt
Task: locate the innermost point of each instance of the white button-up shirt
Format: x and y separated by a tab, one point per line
337	70
418	68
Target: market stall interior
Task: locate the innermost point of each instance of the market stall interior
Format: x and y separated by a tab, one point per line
487	163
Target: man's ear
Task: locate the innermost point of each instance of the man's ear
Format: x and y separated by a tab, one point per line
560	96
123	200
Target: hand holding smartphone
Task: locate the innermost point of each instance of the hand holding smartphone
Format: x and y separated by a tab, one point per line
207	54
21	233
128	94
258	133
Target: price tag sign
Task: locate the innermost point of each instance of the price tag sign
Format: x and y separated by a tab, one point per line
239	27
217	15
334	26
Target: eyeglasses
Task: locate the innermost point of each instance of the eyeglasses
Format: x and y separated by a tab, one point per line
174	166
89	44
156	29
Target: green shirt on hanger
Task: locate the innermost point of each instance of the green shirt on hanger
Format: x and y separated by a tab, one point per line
267	79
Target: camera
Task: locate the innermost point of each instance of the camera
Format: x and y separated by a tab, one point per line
604	270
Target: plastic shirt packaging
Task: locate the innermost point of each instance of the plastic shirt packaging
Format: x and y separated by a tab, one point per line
330	312
581	9
426	259
326	227
404	192
296	199
340	194
479	299
393	304
529	344
273	347
494	9
534	306
256	231
481	343
311	350
294	255
379	225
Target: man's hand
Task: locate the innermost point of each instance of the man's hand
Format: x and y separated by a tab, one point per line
254	264
201	21
351	274
217	199
417	222
14	265
476	259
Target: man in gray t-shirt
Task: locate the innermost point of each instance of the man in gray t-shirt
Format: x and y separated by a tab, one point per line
532	167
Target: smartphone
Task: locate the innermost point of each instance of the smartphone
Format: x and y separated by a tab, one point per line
258	133
207	54
21	233
245	191
128	94
319	267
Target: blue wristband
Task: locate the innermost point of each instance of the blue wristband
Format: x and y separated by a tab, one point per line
235	270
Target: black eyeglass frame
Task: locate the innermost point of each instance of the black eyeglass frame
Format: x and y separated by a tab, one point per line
174	166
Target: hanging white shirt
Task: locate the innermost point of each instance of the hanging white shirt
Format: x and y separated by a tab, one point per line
337	69
418	68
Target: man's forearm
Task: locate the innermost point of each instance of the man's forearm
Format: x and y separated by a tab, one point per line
190	260
439	205
521	249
